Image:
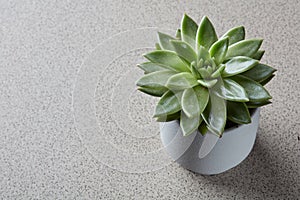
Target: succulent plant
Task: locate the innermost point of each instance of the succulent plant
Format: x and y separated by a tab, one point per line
204	80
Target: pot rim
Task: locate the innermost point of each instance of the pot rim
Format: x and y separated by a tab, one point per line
231	128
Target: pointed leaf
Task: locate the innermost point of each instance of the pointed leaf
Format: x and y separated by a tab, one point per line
257	104
204	73
164	41
150	67
207	83
178	34
154	91
202	96
218	72
205	113
157	46
194	101
238	65
184	50
194	70
259	72
255	91
217	114
231	90
208	62
258	55
168	58
238	112
219	49
203	54
168	118
202	128
206	34
168	104
189	103
181	81
209	69
155	79
189	125
188	30
244	48
264	82
213	64
235	34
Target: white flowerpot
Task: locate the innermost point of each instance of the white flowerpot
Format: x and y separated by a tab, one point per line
230	150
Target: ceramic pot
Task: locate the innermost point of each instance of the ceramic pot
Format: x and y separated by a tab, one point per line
230	150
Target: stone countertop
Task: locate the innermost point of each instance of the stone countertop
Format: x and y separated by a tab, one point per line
48	152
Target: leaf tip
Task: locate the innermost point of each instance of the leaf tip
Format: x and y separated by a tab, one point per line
205	17
137	82
174	41
146	55
242	28
215	132
260	41
154	115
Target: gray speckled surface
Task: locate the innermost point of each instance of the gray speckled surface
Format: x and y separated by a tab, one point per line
45	155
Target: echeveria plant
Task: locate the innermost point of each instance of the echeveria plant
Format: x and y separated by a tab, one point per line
204	80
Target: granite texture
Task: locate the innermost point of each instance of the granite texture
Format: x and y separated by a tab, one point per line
47	150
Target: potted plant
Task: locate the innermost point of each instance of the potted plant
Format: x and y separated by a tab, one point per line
210	92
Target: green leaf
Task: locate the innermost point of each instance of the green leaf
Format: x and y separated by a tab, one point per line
203	54
178	34
202	96
207	83
206	34
150	67
258	55
168	58
238	65
235	34
194	100
264	82
230	90
213	63
189	125
257	104
255	91
168	104
194	70
184	50
188	30
154	91
259	72
238	112
189	103
168	118
164	41
219	49
155	79
205	113
217	115
202	128
209	69
181	81
157	46
244	48
204	73
218	72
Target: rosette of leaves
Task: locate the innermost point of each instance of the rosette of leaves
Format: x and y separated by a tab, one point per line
203	80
